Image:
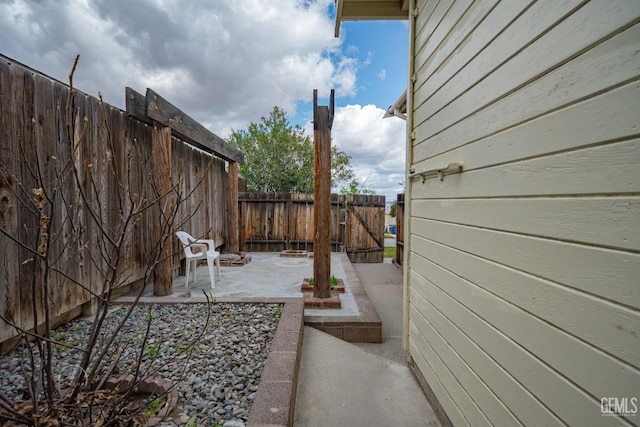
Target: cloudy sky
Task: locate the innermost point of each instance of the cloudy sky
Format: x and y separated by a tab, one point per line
227	63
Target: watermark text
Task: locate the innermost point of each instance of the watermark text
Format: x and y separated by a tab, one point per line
623	406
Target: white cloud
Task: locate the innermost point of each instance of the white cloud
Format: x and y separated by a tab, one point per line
382	74
377	146
225	63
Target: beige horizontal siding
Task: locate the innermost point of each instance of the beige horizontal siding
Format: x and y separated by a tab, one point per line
595	271
458	303
595	221
419	347
613	64
431	329
523	269
611	116
458	391
444	58
603	169
506	65
536	300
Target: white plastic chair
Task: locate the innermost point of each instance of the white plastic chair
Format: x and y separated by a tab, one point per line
204	249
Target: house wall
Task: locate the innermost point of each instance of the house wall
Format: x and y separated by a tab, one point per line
523	272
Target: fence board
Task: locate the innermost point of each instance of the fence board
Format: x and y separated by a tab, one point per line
27	229
34	141
9	251
273	222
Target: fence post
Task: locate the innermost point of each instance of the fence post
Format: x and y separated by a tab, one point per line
233	216
161	162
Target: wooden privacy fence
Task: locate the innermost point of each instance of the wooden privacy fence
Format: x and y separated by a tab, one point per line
34	146
275	222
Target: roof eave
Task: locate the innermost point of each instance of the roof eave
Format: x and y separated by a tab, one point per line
398	109
361	10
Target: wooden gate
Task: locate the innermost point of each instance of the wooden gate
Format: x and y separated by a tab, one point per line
363	227
272	222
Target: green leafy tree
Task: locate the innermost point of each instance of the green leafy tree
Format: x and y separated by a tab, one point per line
340	167
279	156
354	187
393	209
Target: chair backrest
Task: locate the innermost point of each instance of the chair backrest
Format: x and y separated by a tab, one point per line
186	239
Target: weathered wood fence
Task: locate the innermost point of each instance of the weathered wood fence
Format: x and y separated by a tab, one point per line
275	222
34	141
400	229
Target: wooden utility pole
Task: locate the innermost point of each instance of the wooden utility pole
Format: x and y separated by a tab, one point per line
322	122
161	161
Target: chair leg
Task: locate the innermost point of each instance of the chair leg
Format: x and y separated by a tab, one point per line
186	281
211	273
218	265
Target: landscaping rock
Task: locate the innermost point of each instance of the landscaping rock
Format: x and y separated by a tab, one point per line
216	378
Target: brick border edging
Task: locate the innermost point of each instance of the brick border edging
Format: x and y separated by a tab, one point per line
365	327
274	403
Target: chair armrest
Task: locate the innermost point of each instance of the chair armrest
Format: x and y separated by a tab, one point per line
197	245
208	242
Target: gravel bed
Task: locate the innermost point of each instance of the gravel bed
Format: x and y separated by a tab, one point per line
216	378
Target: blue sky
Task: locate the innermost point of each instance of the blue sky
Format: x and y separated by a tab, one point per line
227	64
381	49
384	44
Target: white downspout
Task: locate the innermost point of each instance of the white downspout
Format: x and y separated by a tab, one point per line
406	291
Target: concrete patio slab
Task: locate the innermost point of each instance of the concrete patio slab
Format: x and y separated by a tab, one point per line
270	276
